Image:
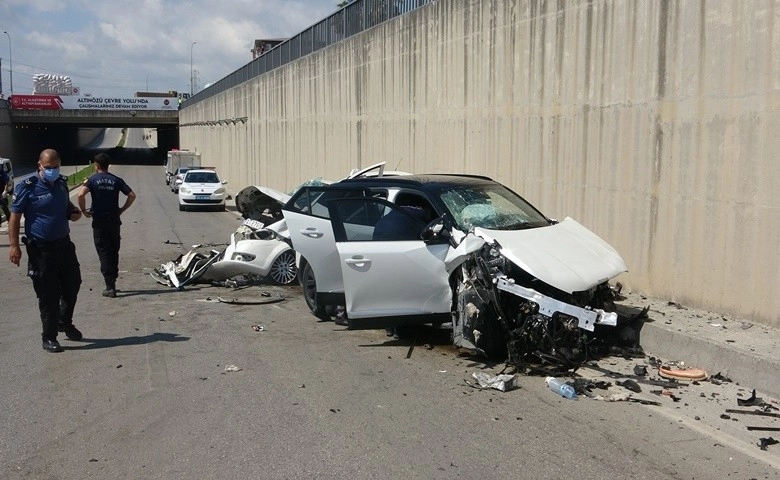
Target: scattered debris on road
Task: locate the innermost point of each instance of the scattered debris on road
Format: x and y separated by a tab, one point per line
501	382
251	301
682	373
765	442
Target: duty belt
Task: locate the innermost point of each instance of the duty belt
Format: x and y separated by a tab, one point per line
42	243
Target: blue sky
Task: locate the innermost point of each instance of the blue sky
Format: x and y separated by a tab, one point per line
115	48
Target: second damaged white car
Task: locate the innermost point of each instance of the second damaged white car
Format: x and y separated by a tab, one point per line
455	249
258	247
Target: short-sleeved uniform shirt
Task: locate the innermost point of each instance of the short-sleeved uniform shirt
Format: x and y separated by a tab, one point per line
45	207
104	188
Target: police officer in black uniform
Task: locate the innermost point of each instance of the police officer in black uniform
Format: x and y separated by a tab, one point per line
44	201
104	188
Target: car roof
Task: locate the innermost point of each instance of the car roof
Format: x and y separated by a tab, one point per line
418	182
201	170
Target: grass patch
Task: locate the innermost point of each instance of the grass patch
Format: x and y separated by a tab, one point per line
122	139
79	177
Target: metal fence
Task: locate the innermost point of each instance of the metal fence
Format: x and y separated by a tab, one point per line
354	18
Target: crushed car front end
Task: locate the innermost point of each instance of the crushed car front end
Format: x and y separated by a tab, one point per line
503	307
535	289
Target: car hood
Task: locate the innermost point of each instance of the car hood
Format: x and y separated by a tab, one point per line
566	255
258	203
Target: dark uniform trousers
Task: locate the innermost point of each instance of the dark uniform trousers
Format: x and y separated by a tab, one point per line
56	276
107	239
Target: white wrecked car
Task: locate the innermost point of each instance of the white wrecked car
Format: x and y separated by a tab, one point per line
412	249
258	247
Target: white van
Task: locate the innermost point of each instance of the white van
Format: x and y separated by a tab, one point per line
5	165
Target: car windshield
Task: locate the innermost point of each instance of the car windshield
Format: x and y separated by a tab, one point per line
491	206
201	177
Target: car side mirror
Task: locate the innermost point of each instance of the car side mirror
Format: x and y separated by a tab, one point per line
436	232
224	182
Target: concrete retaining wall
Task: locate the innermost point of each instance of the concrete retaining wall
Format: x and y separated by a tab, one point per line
653	123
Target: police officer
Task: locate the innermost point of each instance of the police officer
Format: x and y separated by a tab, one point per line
44	201
4	194
105	212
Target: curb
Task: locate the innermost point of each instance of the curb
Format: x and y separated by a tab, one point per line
744	351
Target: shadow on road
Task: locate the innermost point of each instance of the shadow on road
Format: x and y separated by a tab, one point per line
95	343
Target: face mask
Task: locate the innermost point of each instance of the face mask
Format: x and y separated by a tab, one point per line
51	174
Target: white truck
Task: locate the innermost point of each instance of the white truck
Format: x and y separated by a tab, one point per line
180	158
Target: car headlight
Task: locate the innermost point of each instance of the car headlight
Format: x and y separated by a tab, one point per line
219	191
184	190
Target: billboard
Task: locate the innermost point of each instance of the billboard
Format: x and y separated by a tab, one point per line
75	102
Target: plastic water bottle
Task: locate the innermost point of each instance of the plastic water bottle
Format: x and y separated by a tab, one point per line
559	386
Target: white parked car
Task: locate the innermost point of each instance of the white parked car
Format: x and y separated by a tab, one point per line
413	249
177	177
202	188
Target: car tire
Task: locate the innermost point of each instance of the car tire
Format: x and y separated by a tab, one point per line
310	293
283	270
182	208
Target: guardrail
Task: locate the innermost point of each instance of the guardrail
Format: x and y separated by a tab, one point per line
352	19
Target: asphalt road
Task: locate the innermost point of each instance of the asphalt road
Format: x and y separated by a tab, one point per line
145	394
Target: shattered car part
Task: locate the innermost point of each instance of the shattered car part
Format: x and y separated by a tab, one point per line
186	269
501	382
763	443
749	402
246	301
259	247
692	374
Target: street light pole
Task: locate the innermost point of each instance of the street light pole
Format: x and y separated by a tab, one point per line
11	60
192	82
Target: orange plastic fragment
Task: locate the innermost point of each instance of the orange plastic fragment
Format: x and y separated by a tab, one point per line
683	374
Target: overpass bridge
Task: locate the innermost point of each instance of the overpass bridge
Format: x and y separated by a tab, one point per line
30	123
96	118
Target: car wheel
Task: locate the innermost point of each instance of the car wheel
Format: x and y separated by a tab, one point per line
182	208
310	293
283	271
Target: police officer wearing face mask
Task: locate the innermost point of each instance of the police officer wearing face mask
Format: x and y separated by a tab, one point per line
44	201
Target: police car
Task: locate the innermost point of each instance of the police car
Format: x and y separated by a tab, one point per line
202	188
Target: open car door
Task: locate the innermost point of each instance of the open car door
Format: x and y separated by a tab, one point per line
388	271
311	234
